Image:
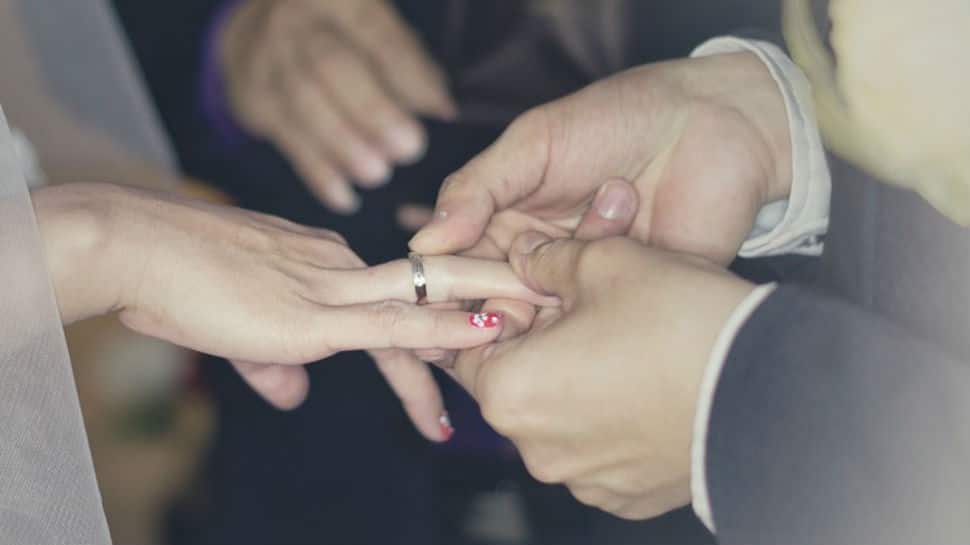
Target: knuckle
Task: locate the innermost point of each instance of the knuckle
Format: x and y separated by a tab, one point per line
503	399
542	470
389	315
534	128
333	236
279	17
591	496
332	60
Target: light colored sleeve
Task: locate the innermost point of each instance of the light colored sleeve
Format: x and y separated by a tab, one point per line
705	401
795	225
48	491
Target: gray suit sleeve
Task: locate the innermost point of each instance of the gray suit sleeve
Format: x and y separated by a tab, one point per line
831	425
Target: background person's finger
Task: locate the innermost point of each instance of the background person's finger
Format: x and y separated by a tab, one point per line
611	213
320	176
412	217
310	104
415	386
449	278
349	78
283	386
405	65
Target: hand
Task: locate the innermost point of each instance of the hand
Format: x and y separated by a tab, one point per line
600	393
336	85
256	289
704	142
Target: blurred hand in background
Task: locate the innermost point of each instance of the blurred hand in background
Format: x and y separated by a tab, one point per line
336	85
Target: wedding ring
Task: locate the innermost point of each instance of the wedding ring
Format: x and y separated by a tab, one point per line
418	278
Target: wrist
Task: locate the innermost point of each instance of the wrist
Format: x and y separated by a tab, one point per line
745	84
75	225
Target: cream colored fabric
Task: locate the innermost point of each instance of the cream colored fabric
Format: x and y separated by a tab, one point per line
894	100
48	492
68	83
48	47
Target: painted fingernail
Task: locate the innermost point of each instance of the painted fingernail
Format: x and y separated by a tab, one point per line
485	320
613	201
444	423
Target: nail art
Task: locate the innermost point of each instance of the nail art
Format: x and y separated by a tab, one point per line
445	424
485	320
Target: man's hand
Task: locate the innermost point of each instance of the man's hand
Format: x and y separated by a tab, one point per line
337	85
704	142
600	393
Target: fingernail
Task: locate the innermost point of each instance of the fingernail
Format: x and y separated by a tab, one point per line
422	236
406	142
527	243
444	423
613	201
485	320
372	169
343	199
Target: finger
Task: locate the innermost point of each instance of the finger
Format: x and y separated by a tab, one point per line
508	171
283	386
321	177
405	65
431	355
352	83
310	103
611	213
548	266
415	386
400	325
412	217
448	278
517	315
468	365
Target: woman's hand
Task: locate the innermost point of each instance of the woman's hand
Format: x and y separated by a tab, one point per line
336	85
600	393
257	289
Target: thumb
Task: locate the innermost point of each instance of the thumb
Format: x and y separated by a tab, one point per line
505	173
548	266
612	212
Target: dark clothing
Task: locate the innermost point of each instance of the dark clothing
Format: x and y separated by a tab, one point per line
841	414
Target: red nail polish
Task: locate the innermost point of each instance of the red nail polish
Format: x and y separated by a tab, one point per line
485	320
445	423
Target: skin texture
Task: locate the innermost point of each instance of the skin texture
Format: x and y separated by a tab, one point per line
703	141
337	86
266	293
599	394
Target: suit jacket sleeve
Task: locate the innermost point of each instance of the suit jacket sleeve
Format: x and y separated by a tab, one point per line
831	425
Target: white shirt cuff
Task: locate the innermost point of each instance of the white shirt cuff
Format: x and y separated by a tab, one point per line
712	374
796	225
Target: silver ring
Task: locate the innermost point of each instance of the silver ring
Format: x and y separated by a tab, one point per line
418	278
